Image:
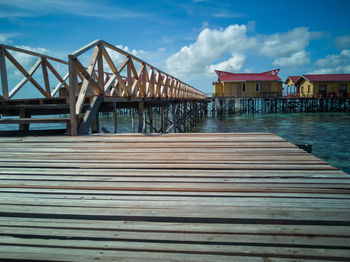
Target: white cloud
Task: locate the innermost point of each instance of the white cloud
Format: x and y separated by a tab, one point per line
297	59
288	49
333	64
210	46
343	42
4	39
234	64
227	14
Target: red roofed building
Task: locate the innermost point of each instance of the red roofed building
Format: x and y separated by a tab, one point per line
290	86
327	85
266	84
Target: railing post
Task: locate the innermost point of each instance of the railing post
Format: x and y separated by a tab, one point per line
3	73
73	86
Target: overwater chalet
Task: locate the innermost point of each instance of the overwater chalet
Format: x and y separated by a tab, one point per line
266	84
290	86
326	85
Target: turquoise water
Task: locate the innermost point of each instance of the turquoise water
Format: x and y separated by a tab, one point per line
328	133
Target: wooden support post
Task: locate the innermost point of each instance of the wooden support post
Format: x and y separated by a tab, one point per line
24	114
132	120
150	117
3	73
166	111
140	115
115	118
173	108
73	86
161	114
95	127
185	117
144	127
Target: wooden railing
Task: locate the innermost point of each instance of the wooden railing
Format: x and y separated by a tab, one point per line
146	82
123	81
43	61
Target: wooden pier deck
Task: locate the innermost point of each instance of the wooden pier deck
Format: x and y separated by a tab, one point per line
175	197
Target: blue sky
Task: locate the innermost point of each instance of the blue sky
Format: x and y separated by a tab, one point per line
190	39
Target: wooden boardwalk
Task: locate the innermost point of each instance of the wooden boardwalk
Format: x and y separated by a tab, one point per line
175	197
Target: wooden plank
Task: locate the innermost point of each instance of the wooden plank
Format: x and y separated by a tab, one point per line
179	197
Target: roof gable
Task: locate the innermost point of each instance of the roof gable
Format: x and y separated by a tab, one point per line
265	76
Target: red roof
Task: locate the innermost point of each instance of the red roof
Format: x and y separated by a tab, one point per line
231	77
328	78
293	78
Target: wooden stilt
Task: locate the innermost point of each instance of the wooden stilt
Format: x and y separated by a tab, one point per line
132	120
140	115
161	113
95	127
115	119
150	118
24	114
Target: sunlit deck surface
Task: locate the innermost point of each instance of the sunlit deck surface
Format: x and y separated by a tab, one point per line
175	197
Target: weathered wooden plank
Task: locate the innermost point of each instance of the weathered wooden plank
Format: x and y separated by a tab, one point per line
178	197
259	251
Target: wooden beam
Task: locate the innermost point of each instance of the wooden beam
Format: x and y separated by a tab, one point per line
116	71
45	76
151	84
90	115
137	77
73	86
20	50
100	77
88	78
165	88
59	85
3	73
159	84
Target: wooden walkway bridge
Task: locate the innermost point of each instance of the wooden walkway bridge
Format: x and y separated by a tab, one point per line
175	197
112	79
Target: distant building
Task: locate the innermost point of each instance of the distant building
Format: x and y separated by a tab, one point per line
291	90
266	84
329	85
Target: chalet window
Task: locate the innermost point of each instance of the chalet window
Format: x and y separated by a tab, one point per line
243	87
342	90
308	89
257	87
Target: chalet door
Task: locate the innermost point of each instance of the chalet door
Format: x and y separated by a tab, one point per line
322	90
235	89
266	90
